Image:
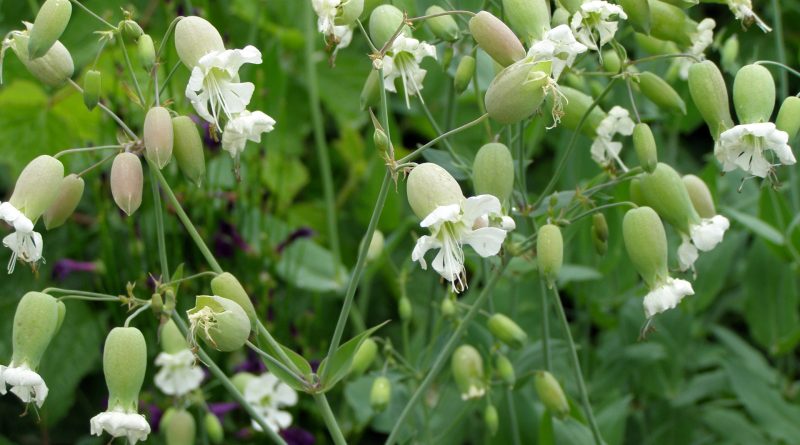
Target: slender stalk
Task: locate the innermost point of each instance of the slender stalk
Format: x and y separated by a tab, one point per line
633	101
136	313
190	278
132	72
108	111
576	365
165	82
456	158
545	326
414	154
85	149
476	88
330	419
159	209
167	35
780	44
262	330
78	297
603	207
96	295
91	13
663	56
275	362
444	355
512	417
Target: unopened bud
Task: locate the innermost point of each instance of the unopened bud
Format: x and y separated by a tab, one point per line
179	427
156	304
550	393
600	233
404	308
131	30
635	192
788	119
491	419
384	22
576	104
220	322
227	286
381	394
38	186
505	370
370	94
69	196
517	92
50	23
188	149
464	73
147	51
365	355
710	95
611	61
444	27
158	136
550	251
172	340
505	330
447	57
660	92
381	140
753	94
91	89
448	308
124	367
127	180
497	39
493	171
375	248
530	19
194	38
664	191
645	145
638	12
349	12
36	322
467	368
646	244
700	195
213	428
429	186
54	68
669	22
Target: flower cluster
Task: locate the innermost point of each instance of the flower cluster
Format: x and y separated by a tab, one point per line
596	22
604	149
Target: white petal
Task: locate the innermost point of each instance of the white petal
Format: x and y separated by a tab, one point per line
709	232
666	296
285	395
178	374
441	214
687	254
486	241
25	383
424	244
118	423
478	206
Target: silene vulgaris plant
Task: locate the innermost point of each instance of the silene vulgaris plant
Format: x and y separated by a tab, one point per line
608	86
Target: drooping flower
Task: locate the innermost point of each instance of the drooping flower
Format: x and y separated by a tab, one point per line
744	147
338	35
604	149
243	127
121	423
269	396
178	374
704	237
701	40
402	61
25	244
596	22
454	225
25	383
560	47
743	10
666	296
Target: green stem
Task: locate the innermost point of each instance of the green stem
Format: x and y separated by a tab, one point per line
189	278
167	35
456	158
603	207
545	326
576	365
275	362
108	111
414	154
512	414
131	71
159	209
476	88
780	44
330	419
91	13
136	313
78	297
85	149
169	76
444	355
262	331
98	296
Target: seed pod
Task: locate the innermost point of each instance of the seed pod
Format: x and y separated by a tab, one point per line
467	368
375	248
638	12
384	22
700	195
664	191
530	19
370	94
50	23
447	57
491	419
91	89
505	370
227	286
646	244
179	427
505	330
381	394
448	308
600	233
37	186
54	68
710	95
194	38
550	250
493	171
429	186
65	204
36	322
788	119
350	12
645	146
158	136
464	73
611	62
127	180
124	366
213	428
497	39
220	322
576	103
668	22
404	309
131	30
188	149
172	340
147	52
550	393
517	92
635	192
365	355
444	27
660	92
753	94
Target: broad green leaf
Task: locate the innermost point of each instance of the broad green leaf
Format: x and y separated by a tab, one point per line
756	226
309	266
297	359
612	420
575	272
342	358
546	433
732	426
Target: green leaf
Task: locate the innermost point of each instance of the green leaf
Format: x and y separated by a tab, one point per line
732	425
342	358
576	272
546	433
756	226
298	360
309	266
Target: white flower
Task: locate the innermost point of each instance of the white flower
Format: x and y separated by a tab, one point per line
743	10
743	146
701	40
214	88
25	383
595	23
342	36
268	395
666	296
25	244
558	46
454	225
703	237
242	127
604	148
120	423
402	61
474	392
326	11
178	374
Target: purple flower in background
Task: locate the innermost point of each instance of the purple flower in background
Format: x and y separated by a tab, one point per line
154	414
65	267
228	240
303	232
219	409
297	436
252	364
208	139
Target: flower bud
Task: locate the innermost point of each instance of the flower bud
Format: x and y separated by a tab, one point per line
550	393
550	250
576	103
65	204
158	136
381	141
660	92
127	180
638	12
172	340
645	146
227	286
729	53
50	23
188	149
448	308
497	39
194	38
444	27
611	61
530	19
491	419
700	195
669	22
505	370
493	171
664	191
600	233
384	22
54	68
404	309
213	428
788	119
370	94
365	355
381	394
375	248
646	244
179	427
147	52
447	57
38	186
350	12
710	95
753	94
36	322
220	322
91	89
124	366
517	91
635	192
131	30
505	330
467	368
464	73
156	304
429	186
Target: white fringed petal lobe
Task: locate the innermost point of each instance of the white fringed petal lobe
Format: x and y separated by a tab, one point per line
243	127
667	296
744	147
709	232
596	22
267	394
402	61
326	11
119	423
25	244
559	46
24	382
604	149
701	40
743	10
178	374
